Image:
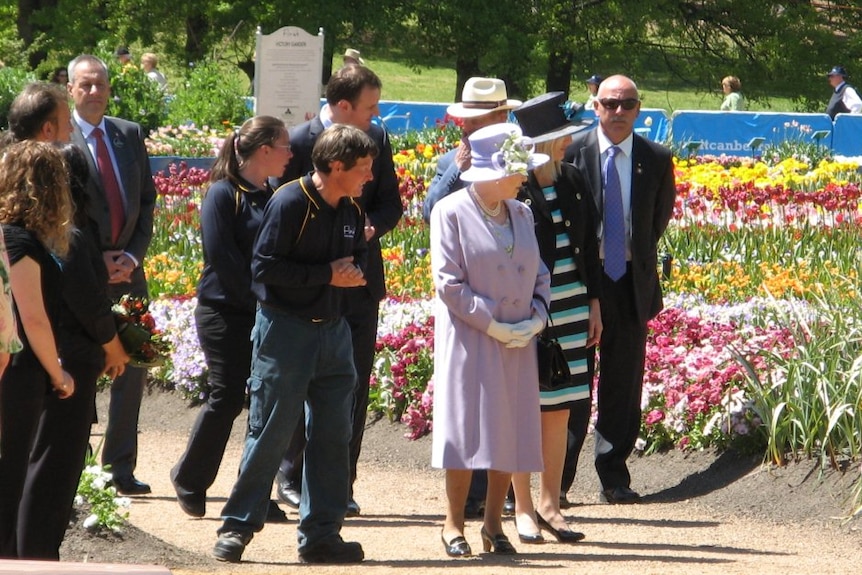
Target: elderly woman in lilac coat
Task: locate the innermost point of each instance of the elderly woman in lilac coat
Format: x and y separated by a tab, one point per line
490	281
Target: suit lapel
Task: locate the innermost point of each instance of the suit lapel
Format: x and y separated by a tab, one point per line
592	170
638	190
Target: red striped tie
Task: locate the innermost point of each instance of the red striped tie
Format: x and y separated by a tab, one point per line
111	185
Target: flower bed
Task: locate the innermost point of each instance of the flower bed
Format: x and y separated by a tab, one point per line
764	270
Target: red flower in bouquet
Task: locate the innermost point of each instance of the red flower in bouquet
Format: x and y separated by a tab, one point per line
138	333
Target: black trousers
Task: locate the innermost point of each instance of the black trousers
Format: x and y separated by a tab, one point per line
579	422
362	315
57	458
623	349
120	448
23	392
225	337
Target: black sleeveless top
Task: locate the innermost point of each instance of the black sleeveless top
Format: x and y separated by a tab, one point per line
21	243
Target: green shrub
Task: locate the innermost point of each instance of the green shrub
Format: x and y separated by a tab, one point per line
136	97
12	80
211	95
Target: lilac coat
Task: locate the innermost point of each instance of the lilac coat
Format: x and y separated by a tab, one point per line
486	396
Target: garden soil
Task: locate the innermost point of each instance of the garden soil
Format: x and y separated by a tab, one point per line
702	513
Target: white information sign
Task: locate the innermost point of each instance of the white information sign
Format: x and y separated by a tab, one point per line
287	71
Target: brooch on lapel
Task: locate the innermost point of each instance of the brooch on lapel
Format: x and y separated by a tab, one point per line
118	142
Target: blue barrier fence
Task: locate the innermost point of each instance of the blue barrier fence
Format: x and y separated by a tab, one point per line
703	132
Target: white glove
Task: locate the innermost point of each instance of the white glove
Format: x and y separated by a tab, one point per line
519	342
502	332
528	328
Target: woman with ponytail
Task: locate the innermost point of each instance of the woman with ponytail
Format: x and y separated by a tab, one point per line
230	216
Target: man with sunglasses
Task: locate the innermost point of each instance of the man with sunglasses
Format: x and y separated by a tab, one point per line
632	183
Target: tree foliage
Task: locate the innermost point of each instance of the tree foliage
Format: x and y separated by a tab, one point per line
779	48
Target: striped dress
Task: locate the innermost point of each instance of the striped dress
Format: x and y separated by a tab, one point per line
569	316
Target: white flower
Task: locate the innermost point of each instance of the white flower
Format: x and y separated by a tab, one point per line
91	521
640	444
123	502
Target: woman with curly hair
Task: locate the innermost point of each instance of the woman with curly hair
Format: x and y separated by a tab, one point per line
36	214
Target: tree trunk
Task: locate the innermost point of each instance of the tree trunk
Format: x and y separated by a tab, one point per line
464	70
559	74
27	31
196	29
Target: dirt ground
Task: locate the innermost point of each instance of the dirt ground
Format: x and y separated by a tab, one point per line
702	513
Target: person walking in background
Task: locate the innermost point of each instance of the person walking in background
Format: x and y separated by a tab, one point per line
352	56
121	196
123	56
593	83
484	101
566	232
845	99
489	280
733	100
60	76
231	212
36	213
631	181
352	95
150	65
310	249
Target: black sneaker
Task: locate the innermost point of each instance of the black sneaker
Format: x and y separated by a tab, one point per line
332	550
230	546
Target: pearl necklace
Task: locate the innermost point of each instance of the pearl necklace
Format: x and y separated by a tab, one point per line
489	212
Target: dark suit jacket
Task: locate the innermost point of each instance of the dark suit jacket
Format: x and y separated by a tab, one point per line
579	215
380	199
652	199
127	140
447	179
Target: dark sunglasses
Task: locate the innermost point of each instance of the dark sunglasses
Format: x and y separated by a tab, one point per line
613	103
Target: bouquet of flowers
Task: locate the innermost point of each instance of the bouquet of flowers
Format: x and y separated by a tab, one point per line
138	333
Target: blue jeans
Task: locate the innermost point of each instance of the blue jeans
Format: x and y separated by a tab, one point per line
296	361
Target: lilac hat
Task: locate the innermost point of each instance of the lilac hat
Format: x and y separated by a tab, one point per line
498	151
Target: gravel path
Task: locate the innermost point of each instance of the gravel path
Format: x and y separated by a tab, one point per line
695	519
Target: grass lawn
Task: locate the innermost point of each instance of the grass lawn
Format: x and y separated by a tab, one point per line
437	84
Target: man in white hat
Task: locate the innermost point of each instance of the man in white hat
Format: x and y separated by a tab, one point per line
351	56
484	101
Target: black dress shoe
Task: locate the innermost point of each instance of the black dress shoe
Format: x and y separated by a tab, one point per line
529	539
275	514
474	509
353	509
332	550
561	535
288	492
128	485
509	506
620	496
498	544
457	547
193	504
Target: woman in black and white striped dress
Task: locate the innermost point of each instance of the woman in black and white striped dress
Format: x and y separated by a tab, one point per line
565	228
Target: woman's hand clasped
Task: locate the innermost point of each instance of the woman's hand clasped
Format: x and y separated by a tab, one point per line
65	386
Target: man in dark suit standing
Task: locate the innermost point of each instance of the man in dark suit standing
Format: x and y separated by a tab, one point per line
352	95
632	183
121	199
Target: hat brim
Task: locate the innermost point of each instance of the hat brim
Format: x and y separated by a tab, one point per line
489	174
458	110
574	128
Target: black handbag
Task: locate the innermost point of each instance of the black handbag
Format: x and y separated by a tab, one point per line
553	368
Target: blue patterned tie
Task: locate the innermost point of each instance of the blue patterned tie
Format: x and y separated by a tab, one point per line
615	222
